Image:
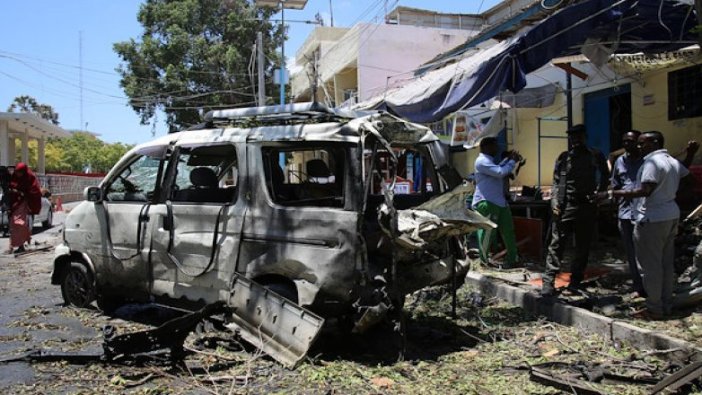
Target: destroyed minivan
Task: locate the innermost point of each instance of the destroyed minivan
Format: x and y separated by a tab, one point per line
289	214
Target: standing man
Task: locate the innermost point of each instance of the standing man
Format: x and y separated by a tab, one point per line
579	173
489	198
624	172
656	216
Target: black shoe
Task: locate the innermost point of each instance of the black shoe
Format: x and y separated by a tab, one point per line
572	291
19	250
548	290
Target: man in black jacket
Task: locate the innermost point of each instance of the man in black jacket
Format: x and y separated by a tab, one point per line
580	172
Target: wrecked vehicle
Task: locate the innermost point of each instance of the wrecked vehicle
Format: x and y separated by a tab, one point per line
286	213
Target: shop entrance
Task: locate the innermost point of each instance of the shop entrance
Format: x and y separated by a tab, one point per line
607	116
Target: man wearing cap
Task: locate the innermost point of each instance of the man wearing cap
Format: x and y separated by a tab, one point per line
579	173
489	198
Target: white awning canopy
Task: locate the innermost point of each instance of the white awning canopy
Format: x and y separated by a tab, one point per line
37	128
25	127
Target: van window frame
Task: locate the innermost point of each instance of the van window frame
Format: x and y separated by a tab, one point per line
156	152
348	201
171	173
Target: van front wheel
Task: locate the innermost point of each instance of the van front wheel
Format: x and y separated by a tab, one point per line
77	285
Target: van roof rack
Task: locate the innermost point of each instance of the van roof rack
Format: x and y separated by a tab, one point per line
281	114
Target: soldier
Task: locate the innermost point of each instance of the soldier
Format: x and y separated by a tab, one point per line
579	173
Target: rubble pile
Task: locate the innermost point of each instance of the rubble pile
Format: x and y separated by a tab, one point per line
688	262
687	241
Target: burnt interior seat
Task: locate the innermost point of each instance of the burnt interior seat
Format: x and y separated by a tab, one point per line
283	192
317	185
317	168
205	188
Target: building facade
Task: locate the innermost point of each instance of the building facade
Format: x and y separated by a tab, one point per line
355	64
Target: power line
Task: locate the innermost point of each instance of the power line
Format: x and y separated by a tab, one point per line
151	97
98	71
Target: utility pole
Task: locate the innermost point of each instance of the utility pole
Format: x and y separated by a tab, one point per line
261	81
282	61
331	13
569	99
283	4
80	73
315	76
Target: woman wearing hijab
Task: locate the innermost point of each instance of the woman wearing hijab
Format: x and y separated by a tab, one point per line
25	199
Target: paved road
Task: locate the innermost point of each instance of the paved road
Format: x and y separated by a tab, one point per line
31	311
33	317
25	287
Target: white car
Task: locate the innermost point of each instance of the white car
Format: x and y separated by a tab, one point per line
45	216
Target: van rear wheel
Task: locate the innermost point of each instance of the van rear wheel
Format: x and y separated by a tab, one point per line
77	287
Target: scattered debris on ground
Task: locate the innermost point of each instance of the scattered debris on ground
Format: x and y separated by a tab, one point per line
488	348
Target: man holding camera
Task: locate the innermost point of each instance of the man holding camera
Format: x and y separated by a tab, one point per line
489	198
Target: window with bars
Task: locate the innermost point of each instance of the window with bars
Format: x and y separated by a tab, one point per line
684	92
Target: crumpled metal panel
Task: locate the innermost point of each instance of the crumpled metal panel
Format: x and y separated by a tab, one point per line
443	216
275	325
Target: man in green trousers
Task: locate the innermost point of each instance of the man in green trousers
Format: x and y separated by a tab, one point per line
489	198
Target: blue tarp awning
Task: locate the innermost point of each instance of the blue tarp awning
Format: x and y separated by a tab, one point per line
625	26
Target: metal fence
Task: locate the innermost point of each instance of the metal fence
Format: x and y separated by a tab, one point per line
68	188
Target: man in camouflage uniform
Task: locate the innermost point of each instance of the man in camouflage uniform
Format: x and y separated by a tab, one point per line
579	173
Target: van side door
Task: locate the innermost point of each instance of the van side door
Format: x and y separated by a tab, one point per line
196	238
129	193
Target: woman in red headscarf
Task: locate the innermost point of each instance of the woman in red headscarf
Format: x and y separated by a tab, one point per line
25	199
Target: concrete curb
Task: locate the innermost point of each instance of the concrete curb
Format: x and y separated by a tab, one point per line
584	320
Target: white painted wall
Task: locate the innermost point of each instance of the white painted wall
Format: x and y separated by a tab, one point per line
390	50
379	52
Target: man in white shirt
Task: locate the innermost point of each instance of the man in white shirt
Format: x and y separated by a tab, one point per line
655	217
489	198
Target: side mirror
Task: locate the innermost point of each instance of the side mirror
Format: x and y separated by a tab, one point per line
93	194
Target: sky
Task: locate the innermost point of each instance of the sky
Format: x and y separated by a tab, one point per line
40	54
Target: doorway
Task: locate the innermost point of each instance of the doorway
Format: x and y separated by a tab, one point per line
607	116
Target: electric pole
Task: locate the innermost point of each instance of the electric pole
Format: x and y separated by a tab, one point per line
261	80
80	73
315	76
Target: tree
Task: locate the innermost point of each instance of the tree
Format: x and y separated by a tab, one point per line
193	56
30	105
81	150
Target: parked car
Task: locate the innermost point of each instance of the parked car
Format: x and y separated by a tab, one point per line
290	214
45	216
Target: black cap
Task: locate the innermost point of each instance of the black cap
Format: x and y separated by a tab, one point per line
579	128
